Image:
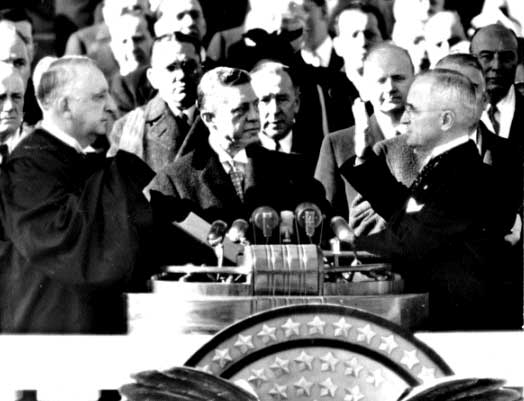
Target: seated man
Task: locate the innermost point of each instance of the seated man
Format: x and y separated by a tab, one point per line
227	176
75	225
444	232
163	123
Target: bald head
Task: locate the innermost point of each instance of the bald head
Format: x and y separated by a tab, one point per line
11	101
496	48
388	73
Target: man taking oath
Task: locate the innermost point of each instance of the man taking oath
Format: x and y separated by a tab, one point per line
444	232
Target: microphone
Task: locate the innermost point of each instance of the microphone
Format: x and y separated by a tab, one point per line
266	219
344	234
309	217
237	231
287	230
215	238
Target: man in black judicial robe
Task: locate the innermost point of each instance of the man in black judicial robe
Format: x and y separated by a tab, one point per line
74	223
444	232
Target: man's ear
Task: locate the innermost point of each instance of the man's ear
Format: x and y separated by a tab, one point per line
447	120
64	105
151	77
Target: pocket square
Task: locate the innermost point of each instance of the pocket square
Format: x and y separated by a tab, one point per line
413	206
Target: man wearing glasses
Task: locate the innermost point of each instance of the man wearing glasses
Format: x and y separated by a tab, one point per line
164	121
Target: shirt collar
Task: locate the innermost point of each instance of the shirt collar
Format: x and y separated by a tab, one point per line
14	139
321	55
62	136
225	158
269	143
440	149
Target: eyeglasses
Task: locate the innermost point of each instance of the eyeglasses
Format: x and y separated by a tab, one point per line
187	66
409	109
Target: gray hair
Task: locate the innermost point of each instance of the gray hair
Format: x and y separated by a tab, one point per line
453	91
58	76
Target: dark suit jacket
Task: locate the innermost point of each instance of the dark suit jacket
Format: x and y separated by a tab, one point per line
93	42
162	135
272	179
450	243
336	149
517	124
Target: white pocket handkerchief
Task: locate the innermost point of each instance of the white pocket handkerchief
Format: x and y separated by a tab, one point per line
413	206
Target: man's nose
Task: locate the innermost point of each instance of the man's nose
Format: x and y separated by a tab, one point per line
388	85
253	113
8	104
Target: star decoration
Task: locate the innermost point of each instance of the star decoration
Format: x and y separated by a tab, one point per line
388	344
426	374
257	377
327	387
304	361
410	359
316	326
278	392
280	366
375	378
329	363
353	394
291	328
353	368
342	328
222	357
365	334
244	343
303	387
205	369
267	333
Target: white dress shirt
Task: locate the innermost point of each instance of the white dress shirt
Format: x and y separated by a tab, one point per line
505	112
270	143
225	158
438	150
321	56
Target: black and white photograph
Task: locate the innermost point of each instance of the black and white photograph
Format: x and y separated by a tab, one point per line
228	200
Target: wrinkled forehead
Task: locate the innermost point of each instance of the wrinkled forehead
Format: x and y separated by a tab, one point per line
494	39
271	81
229	98
354	20
168	51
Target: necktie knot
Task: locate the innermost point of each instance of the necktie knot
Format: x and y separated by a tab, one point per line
4	151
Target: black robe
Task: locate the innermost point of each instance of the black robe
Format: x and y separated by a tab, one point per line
74	228
449	242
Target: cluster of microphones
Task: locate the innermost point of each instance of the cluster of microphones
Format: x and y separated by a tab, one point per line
267	226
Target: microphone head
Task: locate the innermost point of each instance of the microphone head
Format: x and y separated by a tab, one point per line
287	228
237	231
341	229
266	219
309	216
217	232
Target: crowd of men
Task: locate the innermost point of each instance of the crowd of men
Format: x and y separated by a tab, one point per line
143	122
